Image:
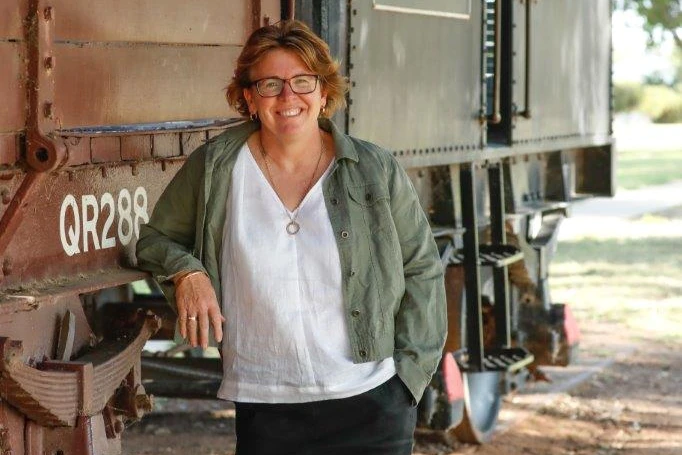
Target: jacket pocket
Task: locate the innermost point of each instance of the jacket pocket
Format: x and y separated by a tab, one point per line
372	202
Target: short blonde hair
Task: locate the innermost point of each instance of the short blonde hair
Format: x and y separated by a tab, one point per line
294	36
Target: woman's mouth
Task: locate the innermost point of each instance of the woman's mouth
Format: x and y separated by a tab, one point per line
293	112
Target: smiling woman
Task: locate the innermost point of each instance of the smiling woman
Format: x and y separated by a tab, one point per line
310	251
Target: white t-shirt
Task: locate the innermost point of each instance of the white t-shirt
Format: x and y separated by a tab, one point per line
285	338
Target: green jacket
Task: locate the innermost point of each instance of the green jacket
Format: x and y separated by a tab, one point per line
393	287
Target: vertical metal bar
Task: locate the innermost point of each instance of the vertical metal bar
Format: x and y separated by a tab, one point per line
499	237
472	281
526	107
497	73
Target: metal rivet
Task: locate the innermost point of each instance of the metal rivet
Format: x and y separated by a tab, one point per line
49	63
344	234
352	273
368	197
47	13
355	313
334	201
362	353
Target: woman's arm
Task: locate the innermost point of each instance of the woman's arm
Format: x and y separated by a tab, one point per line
421	320
166	247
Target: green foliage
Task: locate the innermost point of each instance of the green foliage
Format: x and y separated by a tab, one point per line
662	104
626	96
661	17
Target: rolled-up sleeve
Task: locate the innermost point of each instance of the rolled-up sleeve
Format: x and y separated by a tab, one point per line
167	243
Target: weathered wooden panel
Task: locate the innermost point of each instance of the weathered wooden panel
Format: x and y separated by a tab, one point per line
191	141
12	91
105	149
78	150
166	145
8	149
141	84
164	21
136	147
12	14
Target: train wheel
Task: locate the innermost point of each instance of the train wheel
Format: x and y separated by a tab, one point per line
482	401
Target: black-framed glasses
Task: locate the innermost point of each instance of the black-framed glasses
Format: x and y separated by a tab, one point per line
273	86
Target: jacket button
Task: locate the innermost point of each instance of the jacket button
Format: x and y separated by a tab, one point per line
362	353
344	234
352	273
334	201
355	313
368	197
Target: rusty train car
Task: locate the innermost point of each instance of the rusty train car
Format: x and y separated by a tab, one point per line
499	110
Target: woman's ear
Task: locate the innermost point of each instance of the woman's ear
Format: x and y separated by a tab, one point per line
248	96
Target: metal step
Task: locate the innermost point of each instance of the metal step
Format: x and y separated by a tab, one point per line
498	359
490	255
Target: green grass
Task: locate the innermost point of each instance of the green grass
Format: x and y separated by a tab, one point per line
636	282
637	169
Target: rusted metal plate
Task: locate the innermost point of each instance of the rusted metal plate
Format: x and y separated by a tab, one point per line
153	21
42	314
136	148
12	88
8	149
166	145
141	84
88	221
12	14
105	149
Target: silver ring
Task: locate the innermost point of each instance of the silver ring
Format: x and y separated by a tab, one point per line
191	318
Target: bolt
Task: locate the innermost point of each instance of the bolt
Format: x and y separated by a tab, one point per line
4	193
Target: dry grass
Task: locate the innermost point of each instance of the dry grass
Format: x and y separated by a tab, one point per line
629	273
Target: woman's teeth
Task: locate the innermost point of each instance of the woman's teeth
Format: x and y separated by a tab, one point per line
290	112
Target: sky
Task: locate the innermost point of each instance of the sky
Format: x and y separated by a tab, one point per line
631	58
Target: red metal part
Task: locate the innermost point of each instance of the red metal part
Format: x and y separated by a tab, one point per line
571	329
56	393
44	152
452	377
13	216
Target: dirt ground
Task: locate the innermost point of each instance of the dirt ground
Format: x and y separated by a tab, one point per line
632	406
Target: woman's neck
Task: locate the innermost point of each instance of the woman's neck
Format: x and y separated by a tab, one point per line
290	152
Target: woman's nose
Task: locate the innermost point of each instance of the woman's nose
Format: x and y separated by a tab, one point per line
286	91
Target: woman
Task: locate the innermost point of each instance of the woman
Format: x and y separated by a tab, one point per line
309	250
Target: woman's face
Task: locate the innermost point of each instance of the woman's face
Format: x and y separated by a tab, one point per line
288	113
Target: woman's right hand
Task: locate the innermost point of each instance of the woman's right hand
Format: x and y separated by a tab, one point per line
197	309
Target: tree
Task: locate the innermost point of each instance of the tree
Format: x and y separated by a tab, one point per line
661	17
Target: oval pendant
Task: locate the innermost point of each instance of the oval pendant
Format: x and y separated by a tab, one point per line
293	227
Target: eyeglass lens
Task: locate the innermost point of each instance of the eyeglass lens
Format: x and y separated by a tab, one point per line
273	86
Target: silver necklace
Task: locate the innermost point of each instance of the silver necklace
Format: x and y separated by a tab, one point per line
292	227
